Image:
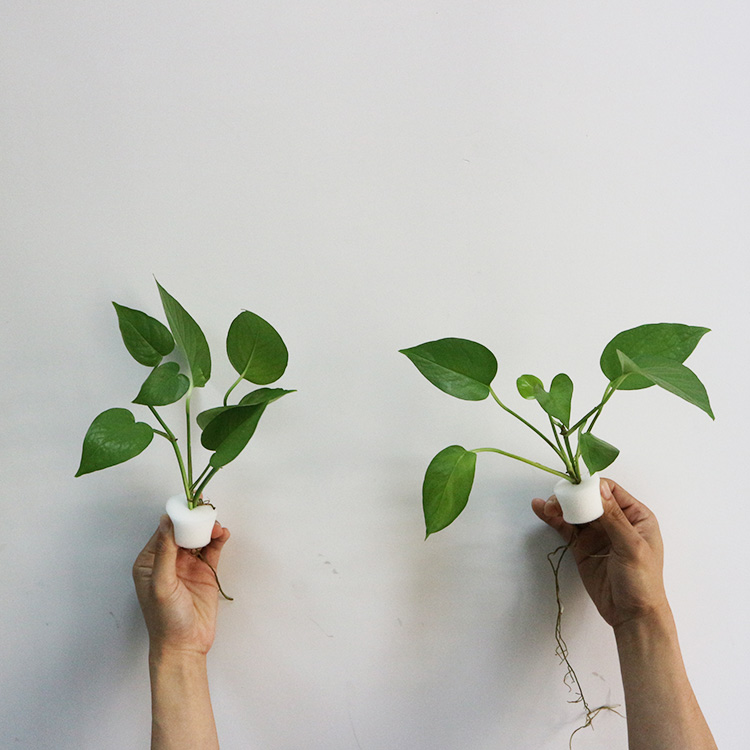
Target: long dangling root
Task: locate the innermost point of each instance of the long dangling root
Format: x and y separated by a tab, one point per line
570	679
197	553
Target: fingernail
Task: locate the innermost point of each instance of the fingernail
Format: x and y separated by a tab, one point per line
606	491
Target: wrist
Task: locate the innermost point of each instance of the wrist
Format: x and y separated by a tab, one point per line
163	655
653	626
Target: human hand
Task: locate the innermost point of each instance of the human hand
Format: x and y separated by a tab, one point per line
177	591
619	556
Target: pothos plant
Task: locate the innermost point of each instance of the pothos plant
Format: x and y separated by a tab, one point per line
638	358
255	350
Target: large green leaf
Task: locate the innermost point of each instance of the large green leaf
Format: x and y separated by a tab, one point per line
165	385
147	340
114	437
255	349
670	375
597	454
673	341
461	368
189	338
229	430
446	487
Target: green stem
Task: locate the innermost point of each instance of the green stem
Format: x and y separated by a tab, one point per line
528	424
609	391
172	439
202	486
565	458
201	477
576	471
524	460
231	388
188	432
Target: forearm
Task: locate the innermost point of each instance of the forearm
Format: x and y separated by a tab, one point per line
182	715
662	711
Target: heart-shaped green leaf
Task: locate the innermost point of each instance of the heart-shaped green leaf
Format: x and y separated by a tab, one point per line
165	385
255	349
673	341
446	487
529	385
229	430
670	375
459	367
597	454
556	402
147	340
114	437
189	338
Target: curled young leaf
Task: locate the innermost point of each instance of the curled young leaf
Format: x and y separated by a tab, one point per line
189	338
446	487
147	340
459	367
673	341
528	386
165	385
556	402
597	454
113	437
670	375
255	349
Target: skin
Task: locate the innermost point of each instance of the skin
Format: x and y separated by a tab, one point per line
620	559
179	599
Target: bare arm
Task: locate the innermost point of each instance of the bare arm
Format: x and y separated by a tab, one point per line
620	559
179	598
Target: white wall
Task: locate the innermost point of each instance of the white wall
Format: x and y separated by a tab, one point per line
368	175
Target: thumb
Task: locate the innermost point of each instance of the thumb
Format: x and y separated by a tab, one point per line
165	553
615	523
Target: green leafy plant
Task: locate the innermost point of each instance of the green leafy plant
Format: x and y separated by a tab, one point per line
641	357
255	350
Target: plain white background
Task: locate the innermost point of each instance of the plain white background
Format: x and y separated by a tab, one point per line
367	176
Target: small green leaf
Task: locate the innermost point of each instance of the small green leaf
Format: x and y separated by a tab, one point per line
147	340
673	341
113	437
163	386
529	385
229	430
255	349
459	367
189	338
670	375
446	487
597	454
557	402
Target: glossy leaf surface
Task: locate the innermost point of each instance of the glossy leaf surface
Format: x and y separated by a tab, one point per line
229	430
165	385
597	454
264	396
147	339
255	349
670	375
189	338
673	341
446	487
113	437
459	367
529	385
